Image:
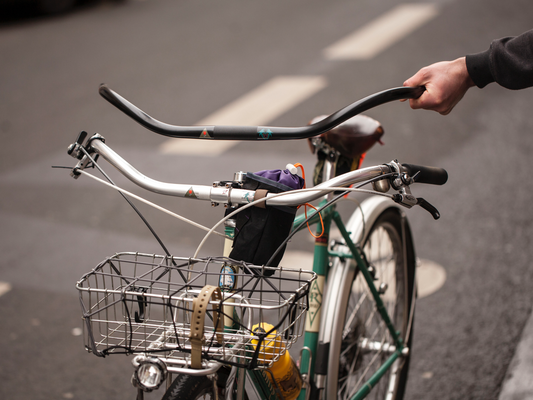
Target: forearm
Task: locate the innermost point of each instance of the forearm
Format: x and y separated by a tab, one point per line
508	61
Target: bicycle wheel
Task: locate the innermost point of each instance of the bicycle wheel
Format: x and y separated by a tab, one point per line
360	341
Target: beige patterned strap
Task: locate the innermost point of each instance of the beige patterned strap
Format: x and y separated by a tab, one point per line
259	194
198	318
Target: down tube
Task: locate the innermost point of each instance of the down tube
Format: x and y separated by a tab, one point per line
370	282
320	266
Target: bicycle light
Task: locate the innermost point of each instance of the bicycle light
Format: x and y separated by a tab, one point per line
149	374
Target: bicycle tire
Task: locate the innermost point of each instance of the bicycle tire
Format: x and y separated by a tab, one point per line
389	248
189	387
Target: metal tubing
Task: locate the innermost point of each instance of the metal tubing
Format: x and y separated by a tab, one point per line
312	324
229	195
343	180
258	132
367	387
199	192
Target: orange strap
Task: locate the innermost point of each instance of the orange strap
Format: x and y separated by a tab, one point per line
298	165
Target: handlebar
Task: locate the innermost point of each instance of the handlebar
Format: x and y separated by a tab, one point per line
400	175
228	195
236	196
258	132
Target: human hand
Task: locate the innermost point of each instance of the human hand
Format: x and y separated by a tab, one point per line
446	83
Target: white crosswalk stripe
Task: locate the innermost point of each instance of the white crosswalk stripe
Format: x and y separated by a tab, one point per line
4	288
277	96
383	32
257	107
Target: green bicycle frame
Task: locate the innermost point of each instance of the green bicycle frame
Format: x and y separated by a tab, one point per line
320	267
260	378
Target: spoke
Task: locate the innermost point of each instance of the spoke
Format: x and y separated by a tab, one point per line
351	346
363	375
348	325
364	332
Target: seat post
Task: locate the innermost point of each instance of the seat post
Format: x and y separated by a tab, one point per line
329	169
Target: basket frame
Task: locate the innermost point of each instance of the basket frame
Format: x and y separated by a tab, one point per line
139	303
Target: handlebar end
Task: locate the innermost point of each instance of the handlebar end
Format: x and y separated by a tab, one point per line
424	174
415	92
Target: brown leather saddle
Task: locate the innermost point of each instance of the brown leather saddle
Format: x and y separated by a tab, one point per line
353	137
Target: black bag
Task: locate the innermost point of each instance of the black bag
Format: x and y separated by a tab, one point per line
260	231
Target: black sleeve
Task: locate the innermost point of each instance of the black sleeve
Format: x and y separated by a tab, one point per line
508	62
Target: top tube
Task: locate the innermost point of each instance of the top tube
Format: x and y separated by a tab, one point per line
258	132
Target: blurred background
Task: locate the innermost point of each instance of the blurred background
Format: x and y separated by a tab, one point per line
183	61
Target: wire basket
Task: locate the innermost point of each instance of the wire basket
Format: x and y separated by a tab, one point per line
143	303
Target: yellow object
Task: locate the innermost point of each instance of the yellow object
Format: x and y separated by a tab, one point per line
284	370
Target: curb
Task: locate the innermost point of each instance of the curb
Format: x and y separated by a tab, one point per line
518	382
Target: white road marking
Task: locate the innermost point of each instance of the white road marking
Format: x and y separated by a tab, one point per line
77	332
258	107
382	33
430	276
4	288
202	147
298	260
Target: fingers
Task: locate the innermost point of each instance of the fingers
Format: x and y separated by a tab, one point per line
418	103
429	100
446	83
418	79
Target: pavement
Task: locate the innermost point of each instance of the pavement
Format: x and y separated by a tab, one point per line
518	383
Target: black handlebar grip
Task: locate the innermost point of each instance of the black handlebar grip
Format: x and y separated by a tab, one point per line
417	92
431	175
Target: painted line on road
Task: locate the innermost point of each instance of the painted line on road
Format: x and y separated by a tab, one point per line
518	383
383	32
4	288
258	107
430	277
204	147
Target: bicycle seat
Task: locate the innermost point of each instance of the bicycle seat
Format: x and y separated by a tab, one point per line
353	137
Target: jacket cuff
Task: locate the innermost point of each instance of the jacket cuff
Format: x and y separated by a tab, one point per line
478	66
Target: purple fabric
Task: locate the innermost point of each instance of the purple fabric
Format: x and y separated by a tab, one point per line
284	177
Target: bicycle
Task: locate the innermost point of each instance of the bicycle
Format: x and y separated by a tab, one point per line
358	326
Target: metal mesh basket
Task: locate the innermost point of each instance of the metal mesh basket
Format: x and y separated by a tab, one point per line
143	303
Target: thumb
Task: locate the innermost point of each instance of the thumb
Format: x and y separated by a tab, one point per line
407	83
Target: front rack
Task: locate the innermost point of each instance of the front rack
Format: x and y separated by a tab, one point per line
143	304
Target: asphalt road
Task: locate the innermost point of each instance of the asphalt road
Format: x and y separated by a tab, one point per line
183	60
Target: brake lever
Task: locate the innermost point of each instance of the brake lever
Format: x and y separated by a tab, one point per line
74	149
428	207
83	152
